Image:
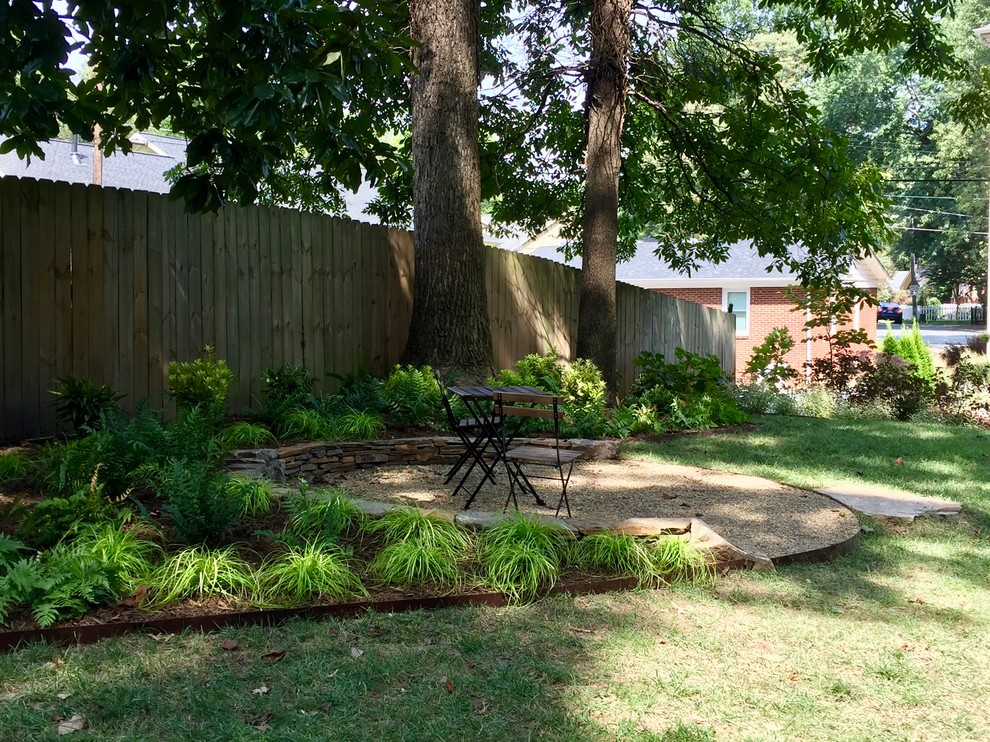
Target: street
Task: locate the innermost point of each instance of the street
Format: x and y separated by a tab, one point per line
937	336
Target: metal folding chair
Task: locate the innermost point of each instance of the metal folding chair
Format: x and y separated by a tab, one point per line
476	434
515	457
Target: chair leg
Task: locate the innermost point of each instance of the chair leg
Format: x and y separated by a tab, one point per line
563	490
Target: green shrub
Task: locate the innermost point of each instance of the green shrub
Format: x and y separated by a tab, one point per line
68	580
200	383
521	557
412	396
691	393
415	562
323	515
767	361
82	404
198	573
541	371
53	519
308	573
358	391
760	399
196	497
286	388
891	382
815	400
582	386
676	559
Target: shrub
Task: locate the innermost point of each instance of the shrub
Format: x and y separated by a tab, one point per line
413	396
978	344
542	371
82	404
200	383
199	573
323	515
760	399
582	386
307	573
676	559
285	388
196	498
358	391
54	518
693	392
766	362
892	382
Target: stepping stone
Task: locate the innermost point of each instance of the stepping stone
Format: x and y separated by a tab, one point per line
885	503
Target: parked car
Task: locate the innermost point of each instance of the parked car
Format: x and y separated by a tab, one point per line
890	311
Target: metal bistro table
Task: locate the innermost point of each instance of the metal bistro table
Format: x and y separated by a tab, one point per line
475	398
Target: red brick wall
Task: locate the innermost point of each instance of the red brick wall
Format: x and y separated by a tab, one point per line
770	307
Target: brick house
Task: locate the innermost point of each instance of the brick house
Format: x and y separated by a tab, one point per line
758	298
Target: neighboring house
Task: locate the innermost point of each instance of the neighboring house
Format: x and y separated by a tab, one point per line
758	299
143	169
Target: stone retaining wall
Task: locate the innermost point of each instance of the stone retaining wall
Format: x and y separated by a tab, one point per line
312	460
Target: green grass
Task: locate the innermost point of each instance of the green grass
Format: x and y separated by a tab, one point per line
255	495
416	562
198	572
323	514
13	466
889	643
522	557
405	524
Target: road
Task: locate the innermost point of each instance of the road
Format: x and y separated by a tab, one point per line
937	336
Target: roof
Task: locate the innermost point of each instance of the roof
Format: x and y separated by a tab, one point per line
141	170
743	266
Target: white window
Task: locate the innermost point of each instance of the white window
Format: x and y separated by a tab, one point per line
737	303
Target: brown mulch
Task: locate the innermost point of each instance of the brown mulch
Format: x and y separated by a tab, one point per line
753	513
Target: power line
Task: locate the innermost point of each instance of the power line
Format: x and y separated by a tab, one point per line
939	180
933	211
929	229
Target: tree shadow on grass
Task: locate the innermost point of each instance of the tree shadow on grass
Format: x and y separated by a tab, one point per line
449	674
875	582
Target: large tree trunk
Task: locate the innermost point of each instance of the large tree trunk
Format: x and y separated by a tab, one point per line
450	327
605	110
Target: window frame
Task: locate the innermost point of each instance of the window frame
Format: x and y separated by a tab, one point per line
726	290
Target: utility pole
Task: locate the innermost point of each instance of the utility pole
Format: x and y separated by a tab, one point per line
983	34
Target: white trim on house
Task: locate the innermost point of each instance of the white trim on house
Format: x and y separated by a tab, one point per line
748	311
735	284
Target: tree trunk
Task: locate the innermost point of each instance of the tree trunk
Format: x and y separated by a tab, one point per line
450	327
605	110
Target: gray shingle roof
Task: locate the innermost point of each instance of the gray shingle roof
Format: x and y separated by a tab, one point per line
743	263
137	171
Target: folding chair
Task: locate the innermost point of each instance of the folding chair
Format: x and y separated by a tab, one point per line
509	405
475	434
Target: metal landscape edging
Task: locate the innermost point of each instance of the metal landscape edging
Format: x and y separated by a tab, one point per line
88	634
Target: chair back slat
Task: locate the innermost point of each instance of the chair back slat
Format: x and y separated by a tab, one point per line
511	411
516	397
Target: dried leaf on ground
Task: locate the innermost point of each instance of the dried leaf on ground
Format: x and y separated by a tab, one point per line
261	690
445	682
355	652
74	723
898	461
272	657
229	645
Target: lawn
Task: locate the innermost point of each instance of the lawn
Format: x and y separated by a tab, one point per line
889	643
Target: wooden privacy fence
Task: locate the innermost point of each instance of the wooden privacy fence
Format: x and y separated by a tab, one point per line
111	285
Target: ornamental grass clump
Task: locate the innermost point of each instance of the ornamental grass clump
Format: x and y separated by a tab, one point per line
307	573
416	562
324	514
128	554
677	560
418	549
199	572
409	524
615	554
521	557
254	495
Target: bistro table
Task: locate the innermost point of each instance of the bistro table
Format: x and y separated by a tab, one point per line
477	399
